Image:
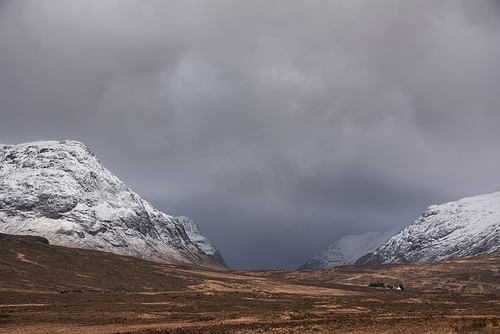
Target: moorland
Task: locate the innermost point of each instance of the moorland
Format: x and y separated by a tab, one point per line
53	289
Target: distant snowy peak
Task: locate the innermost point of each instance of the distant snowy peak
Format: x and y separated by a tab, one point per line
61	191
347	250
469	226
193	231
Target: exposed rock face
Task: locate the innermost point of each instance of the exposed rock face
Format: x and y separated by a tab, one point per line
193	231
61	191
469	226
347	250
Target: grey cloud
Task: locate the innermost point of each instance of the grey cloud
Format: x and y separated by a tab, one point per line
278	127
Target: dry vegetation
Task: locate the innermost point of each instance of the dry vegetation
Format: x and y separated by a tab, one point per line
50	289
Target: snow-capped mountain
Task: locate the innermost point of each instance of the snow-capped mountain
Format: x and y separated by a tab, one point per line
61	191
469	226
193	231
347	250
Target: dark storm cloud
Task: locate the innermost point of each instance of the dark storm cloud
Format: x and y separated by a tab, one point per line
279	127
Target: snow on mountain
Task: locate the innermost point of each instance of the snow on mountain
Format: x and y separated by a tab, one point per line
61	191
469	226
193	231
347	250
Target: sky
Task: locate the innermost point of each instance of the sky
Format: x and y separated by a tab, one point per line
278	126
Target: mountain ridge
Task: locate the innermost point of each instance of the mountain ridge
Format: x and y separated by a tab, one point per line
60	190
347	250
193	232
468	226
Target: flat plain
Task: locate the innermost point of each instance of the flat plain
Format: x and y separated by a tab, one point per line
52	289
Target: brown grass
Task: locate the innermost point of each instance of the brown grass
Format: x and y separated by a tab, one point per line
50	289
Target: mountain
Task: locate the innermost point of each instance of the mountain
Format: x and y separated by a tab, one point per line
61	191
347	250
193	231
469	226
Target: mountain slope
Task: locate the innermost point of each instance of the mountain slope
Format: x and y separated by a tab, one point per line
61	191
193	231
468	226
347	250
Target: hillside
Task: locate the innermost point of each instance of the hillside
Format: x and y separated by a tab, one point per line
61	191
347	250
469	226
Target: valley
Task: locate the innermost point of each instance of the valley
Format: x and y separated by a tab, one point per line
54	289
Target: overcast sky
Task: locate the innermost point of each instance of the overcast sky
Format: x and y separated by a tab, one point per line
278	126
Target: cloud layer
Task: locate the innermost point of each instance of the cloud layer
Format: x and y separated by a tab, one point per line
279	127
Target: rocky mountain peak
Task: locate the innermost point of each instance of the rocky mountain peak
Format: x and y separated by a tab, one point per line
469	226
61	191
